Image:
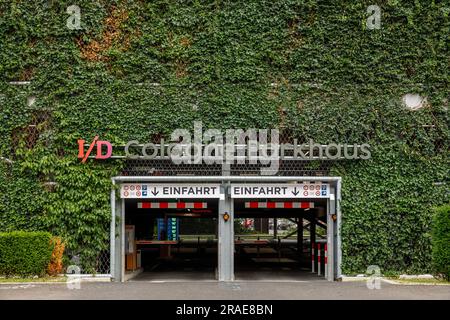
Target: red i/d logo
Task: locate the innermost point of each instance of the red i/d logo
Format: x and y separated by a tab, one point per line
99	143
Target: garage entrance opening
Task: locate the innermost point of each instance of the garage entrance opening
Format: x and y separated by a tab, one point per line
219	228
274	237
171	240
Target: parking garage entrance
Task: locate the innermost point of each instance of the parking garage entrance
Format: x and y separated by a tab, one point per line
170	231
171	239
283	228
280	231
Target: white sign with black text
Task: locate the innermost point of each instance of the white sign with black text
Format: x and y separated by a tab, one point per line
165	191
311	190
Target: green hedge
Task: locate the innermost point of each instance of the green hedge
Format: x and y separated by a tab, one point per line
441	241
24	253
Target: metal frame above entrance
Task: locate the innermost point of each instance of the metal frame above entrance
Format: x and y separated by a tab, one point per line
226	230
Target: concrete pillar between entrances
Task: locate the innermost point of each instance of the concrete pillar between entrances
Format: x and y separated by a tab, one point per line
226	240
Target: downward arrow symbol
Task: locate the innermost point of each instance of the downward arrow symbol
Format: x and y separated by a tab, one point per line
154	192
295	191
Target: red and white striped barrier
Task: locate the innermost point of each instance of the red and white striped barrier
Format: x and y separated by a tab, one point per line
318	259
312	259
325	258
278	205
172	205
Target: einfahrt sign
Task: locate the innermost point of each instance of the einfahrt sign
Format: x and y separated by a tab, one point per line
164	191
313	190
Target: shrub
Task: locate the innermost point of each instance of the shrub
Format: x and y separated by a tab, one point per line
56	263
441	242
25	253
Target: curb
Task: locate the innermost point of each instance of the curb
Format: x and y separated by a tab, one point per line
404	279
352	279
415	276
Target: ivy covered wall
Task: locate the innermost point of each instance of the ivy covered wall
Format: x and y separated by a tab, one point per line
137	69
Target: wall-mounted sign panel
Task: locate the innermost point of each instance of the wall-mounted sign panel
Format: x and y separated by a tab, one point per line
252	191
166	191
169	231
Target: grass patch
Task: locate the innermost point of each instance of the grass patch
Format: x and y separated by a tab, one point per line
433	281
